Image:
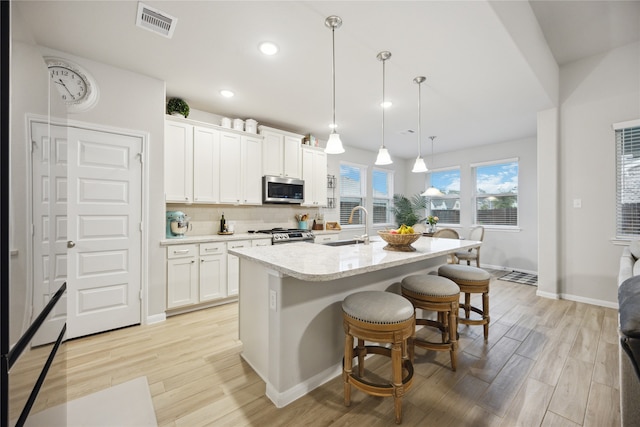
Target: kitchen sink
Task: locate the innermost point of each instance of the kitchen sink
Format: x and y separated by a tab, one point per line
343	242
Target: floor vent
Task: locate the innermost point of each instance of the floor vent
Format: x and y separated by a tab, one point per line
155	20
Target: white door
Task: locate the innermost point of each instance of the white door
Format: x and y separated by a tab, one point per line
49	219
104	231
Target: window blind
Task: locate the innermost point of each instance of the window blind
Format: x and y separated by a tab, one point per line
628	182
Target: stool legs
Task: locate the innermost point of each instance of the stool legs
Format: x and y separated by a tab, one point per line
347	369
468	308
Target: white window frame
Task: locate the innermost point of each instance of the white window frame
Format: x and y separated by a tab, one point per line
363	191
389	199
627	178
474	168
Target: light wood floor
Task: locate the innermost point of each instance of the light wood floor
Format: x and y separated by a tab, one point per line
547	363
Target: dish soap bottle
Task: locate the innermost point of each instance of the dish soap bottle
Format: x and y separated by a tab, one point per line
223	224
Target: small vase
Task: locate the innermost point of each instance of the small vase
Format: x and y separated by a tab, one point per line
432	228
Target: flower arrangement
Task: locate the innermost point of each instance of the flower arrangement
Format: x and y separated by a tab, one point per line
432	220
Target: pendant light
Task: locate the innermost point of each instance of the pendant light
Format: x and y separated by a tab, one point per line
419	166
432	191
334	144
383	155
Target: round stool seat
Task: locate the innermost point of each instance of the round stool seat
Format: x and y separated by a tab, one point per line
464	272
377	307
430	285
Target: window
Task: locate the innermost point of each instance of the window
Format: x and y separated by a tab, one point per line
352	191
628	179
447	206
382	196
496	193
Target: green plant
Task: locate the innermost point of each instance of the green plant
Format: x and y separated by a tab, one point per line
409	211
177	105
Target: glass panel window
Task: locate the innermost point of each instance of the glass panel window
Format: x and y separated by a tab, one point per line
382	196
447	206
352	192
628	181
496	193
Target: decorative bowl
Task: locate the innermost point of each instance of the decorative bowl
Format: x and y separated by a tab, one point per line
399	242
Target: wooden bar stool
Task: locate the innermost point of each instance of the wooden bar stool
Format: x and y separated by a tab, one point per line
439	294
379	317
471	280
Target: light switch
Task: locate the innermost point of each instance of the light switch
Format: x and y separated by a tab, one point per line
577	203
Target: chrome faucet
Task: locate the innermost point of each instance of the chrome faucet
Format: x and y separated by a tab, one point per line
365	236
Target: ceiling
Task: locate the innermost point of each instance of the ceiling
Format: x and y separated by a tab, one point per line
482	84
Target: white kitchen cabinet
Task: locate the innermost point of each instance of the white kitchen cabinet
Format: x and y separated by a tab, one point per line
192	158
233	266
206	158
182	275
240	169
212	277
178	162
281	155
314	174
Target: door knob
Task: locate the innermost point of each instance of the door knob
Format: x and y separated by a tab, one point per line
71	244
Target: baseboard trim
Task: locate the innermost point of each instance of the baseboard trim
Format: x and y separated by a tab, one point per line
591	301
282	399
156	318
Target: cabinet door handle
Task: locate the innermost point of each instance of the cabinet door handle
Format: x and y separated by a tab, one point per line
211	249
236	247
193	261
181	251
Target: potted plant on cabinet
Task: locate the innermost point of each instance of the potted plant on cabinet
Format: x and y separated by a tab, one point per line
409	211
178	106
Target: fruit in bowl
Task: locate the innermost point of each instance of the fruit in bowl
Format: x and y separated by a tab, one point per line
400	239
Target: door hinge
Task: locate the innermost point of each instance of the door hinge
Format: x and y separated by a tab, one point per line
140	295
33	230
140	159
141	226
34	145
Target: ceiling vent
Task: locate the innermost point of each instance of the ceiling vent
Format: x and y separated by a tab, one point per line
155	20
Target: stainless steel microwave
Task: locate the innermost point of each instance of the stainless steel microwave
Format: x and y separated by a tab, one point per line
276	189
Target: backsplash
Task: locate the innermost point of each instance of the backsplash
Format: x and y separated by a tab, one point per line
205	219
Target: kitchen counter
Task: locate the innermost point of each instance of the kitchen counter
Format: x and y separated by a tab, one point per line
214	238
290	312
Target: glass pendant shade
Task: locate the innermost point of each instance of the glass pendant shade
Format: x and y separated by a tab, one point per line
383	157
419	166
432	192
334	144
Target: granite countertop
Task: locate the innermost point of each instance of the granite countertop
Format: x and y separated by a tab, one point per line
210	238
323	263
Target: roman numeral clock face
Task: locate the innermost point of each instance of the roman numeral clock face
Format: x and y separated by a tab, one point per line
77	89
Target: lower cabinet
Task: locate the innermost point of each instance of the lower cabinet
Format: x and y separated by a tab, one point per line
324	238
205	272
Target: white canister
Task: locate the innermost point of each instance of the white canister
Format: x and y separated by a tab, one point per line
251	126
226	122
238	124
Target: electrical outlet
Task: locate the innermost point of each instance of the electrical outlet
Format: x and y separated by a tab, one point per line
273	300
577	203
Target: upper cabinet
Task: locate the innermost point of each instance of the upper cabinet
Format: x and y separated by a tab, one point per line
240	169
314	174
207	164
178	162
281	155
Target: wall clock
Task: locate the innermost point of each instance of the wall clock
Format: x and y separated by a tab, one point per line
76	87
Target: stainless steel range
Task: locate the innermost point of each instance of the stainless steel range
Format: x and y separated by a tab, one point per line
289	235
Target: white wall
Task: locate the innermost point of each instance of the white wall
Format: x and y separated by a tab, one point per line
595	93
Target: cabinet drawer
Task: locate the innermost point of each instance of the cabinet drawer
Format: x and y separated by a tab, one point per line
239	244
212	248
181	251
261	242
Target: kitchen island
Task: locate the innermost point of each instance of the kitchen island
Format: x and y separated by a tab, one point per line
290	313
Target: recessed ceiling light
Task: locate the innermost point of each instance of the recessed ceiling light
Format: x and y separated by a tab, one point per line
386	104
226	93
268	48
